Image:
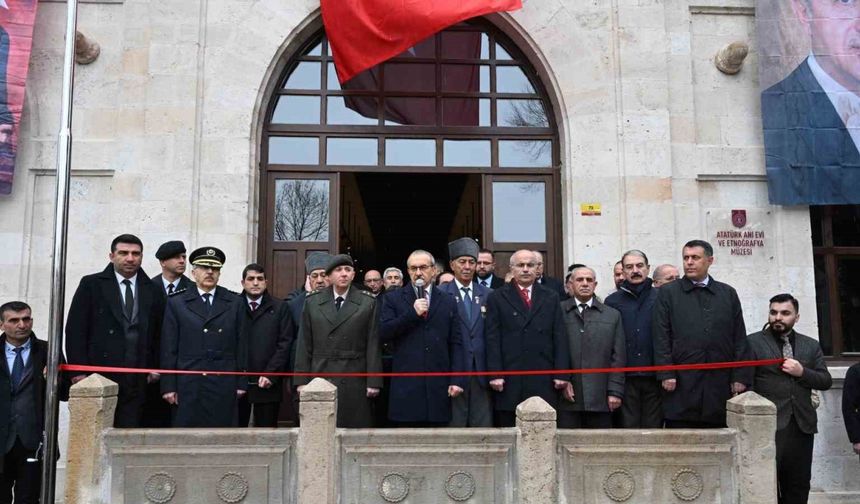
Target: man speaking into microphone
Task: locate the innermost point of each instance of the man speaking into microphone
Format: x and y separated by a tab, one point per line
421	323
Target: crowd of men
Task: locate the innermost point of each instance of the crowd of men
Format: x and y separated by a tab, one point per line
471	320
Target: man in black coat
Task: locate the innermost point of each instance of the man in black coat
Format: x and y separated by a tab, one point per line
789	386
547	281
485	270
114	320
642	407
422	323
202	332
525	330
851	406
268	332
22	398
698	320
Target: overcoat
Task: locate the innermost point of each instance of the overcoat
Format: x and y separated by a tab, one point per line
422	344
792	396
519	338
698	325
596	340
342	341
184	283
194	338
472	329
268	332
851	403
636	305
94	336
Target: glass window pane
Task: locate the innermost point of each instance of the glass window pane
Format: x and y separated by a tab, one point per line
306	75
424	49
409	152
410	111
501	54
315	50
464	45
525	153
519	212
512	79
846	225
466	78
466	152
331	78
410	77
848	273
351	110
351	151
294	150
301	210
297	110
466	112
521	113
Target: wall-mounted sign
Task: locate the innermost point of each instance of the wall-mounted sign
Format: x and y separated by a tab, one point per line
590	208
740	234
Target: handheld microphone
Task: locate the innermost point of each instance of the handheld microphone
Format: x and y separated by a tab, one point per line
420	284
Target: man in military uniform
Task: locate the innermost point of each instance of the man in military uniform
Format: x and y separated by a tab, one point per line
339	335
201	331
171	257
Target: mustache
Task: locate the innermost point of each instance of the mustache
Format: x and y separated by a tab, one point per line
636	275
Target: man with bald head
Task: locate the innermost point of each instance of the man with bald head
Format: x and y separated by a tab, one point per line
373	282
665	273
422	323
524	330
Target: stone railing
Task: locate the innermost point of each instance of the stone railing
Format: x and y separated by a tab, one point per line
532	463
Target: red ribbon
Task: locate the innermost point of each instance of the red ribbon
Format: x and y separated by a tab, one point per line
418	374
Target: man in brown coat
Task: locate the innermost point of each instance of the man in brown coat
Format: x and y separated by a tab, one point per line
339	335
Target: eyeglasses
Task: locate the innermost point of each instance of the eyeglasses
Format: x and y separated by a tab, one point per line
421	267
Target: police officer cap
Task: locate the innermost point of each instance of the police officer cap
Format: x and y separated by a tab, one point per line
169	249
208	256
463	247
316	261
338	260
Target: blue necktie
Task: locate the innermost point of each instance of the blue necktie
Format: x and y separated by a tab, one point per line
467	302
18	367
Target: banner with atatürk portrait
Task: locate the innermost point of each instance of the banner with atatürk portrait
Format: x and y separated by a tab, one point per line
16	39
809	71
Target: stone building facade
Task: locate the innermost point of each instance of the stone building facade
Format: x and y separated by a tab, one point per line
169	123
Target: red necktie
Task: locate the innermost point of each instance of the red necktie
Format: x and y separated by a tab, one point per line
524	293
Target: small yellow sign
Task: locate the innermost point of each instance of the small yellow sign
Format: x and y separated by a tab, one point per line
590	208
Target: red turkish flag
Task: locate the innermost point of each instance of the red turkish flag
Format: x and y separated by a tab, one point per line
363	33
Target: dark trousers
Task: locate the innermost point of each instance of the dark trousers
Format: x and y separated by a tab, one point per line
584	420
472	408
505	418
22	476
416	425
642	407
793	463
156	411
265	414
692	424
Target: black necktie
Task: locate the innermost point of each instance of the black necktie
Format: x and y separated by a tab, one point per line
170	288
17	367
338	302
207	302
582	307
129	299
484	283
467	302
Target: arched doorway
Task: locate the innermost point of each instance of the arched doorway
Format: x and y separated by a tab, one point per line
454	137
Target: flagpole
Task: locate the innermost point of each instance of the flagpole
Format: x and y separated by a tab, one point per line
58	267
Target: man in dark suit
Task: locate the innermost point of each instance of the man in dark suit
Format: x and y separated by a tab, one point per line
851	406
699	320
340	335
422	323
596	341
810	118
486	270
114	320
474	407
202	332
790	387
525	331
549	282
171	256
268	333
22	398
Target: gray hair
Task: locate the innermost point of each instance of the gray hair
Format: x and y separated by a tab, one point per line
422	252
636	253
593	273
390	269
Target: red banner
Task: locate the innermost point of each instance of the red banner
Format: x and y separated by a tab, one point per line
16	39
364	33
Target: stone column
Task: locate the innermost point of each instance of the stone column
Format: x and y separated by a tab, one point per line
536	457
754	417
316	443
92	402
